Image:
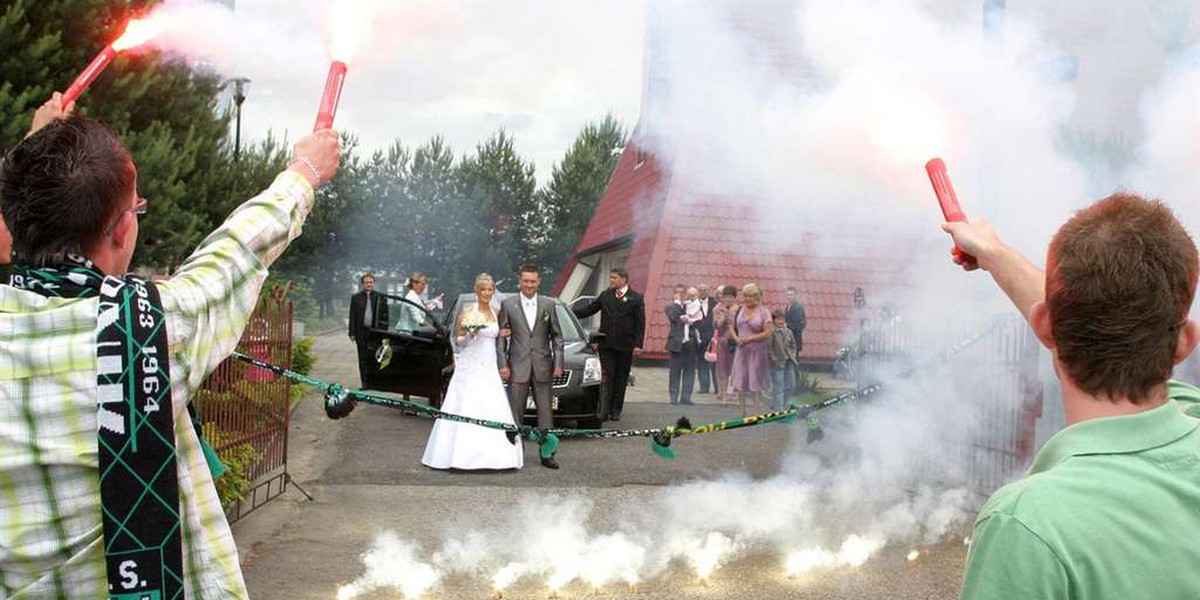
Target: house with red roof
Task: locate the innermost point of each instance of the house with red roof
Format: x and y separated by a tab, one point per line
668	229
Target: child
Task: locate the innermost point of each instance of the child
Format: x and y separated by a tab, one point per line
782	354
692	306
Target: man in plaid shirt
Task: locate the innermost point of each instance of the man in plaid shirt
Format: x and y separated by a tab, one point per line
51	534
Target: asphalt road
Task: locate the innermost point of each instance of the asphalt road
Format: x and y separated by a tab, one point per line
365	475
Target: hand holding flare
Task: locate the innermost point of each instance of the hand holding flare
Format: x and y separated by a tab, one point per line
948	201
333	95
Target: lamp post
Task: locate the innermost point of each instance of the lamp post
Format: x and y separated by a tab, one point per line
241	86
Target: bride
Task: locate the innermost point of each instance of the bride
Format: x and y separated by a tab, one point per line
475	391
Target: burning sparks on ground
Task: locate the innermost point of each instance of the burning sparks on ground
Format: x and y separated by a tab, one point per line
347	592
506	576
392	563
803	561
913	555
854	552
709	554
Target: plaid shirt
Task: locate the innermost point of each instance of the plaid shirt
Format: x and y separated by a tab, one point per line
51	535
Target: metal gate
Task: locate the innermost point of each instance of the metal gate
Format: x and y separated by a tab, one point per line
246	410
995	374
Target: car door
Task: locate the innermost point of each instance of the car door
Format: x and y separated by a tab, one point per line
420	352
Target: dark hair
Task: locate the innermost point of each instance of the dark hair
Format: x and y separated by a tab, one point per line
530	268
621	272
729	290
363	278
778	314
679	287
791	288
1120	279
61	188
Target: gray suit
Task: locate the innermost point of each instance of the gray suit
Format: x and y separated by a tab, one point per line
532	353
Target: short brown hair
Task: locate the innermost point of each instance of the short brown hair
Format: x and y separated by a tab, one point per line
1120	279
530	268
62	187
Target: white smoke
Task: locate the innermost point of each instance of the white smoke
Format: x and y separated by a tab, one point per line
462	69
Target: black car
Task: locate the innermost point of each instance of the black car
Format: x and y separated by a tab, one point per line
421	361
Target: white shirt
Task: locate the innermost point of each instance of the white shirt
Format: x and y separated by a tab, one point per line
687	323
529	305
621	292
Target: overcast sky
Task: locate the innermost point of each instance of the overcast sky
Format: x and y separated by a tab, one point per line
460	68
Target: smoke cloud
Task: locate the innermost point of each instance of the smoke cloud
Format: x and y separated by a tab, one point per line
459	68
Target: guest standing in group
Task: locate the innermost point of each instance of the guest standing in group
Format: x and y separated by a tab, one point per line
705	371
681	344
411	315
751	327
797	320
782	354
724	346
368	310
623	323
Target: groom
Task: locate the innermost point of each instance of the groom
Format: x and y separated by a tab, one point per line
533	353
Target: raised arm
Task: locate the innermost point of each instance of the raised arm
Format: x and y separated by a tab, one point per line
209	300
1020	279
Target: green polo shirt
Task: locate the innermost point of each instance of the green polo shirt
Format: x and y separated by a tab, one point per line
1109	510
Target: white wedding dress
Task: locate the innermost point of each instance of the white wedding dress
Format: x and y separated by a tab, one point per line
475	391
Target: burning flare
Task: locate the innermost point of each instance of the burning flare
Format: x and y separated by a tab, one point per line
138	32
709	554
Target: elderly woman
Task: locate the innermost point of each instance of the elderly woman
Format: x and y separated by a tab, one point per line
722	314
750	328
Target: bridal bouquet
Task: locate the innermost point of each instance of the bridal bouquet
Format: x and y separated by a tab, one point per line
474	322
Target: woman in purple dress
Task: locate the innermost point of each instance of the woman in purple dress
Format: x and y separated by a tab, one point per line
722	329
751	329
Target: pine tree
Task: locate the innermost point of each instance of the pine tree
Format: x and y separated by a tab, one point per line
500	186
576	186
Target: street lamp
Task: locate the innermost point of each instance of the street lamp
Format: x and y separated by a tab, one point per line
241	86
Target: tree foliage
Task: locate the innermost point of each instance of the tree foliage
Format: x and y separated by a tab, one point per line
576	186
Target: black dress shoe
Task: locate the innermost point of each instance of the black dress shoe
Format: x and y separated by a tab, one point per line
512	437
550	463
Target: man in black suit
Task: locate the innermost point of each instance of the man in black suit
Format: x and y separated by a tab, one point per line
706	372
623	323
681	343
368	310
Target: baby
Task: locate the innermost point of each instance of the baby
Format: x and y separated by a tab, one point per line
692	306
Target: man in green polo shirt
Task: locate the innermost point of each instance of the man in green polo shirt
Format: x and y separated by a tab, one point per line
1110	508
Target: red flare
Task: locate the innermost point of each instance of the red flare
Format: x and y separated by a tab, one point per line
333	95
89	74
947	199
